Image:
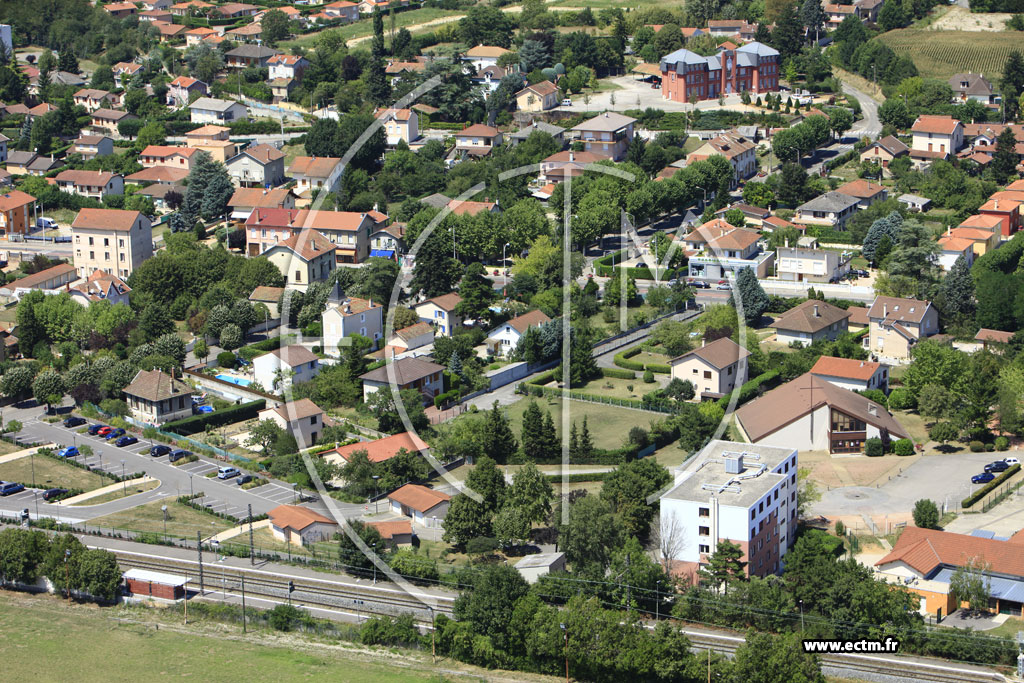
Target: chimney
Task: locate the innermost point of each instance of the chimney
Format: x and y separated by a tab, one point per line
571	157
885	310
816	314
997	205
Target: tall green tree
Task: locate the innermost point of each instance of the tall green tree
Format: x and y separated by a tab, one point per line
766	658
725	566
957	293
1004	161
477	293
531	492
751	295
592	533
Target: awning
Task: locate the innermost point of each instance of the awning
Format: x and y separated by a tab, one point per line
383	253
346	252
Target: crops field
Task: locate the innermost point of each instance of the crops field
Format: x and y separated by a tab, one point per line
940	54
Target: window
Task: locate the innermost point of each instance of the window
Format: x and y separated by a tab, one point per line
106	242
298	276
760	506
312	420
122	258
704	512
704	549
121	243
704	531
752	513
90	241
106	256
841	422
707	374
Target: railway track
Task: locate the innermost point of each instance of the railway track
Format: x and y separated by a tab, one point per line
382	600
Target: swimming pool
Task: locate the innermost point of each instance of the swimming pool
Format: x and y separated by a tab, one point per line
238	381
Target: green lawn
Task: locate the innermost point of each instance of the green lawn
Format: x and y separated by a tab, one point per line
49	473
183	521
1007	629
608	425
9	315
646	357
613	387
692	143
292	151
364	27
43	635
128	489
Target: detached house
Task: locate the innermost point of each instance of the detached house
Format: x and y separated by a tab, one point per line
285	366
347	11
538	97
483	56
124	71
935	137
101	286
154	397
401	125
212	110
168	156
864	191
416	374
15	213
348	230
737	149
111	240
93	99
896	325
608	133
440	312
244	56
298	525
315	173
425	506
852	374
93	184
287	66
92	146
107	119
502	340
346	315
245	200
257	166
477	140
972	87
303	419
304	258
833	209
714	369
810	321
182	88
884	150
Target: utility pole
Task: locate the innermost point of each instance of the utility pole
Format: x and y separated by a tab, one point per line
199	547
252	554
243	604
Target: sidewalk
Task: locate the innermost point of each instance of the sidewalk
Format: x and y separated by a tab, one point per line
96	493
23	454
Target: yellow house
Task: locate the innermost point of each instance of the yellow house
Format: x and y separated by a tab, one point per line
537	97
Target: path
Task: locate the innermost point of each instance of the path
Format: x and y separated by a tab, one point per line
18	455
103	490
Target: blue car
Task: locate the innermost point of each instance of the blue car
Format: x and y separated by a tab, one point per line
95	428
114	434
68	452
983	478
125	441
9	487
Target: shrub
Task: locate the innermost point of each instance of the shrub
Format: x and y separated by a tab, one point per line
976	446
660	368
622	359
284	617
873	447
480	545
926	514
617	373
648	377
903	447
902	399
840	528
197	423
878	396
989	447
226	359
1002	443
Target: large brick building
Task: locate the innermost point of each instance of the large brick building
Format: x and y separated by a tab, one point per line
753	67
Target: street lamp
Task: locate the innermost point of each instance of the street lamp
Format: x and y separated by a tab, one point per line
374	546
565	630
295	490
504	266
163	509
375	492
657	601
192	491
801	615
124	484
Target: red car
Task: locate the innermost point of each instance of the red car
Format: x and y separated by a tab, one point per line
104	431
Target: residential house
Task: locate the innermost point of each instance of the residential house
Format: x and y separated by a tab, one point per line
737	149
865	191
914	202
868	10
287	66
832	209
752	215
562	165
247	34
536	565
197	35
388	241
190	8
714	369
245	56
298	525
951	249
477	140
740	493
502	340
163	175
379	450
344	10
214	140
834	14
1006	210
812	414
424	506
347	230
935	137
100	286
107	119
93	184
169	156
753	68
111	240
285	366
212	110
972	87
182	89
269	297
169	32
401	125
52	280
412	337
257	166
538	97
303	419
896	325
160	193
346	315
440	312
92	146
156	15
993	340
852	374
154	397
18	162
730	27
984	231
124	71
884	150
234	10
93	99
797	264
150	5
483	56
245	200
304	258
809	322
722	249
15	213
120	10
608	133
554	131
415	374
395	534
314	173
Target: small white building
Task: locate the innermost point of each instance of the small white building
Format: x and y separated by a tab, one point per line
285	366
93	184
412	337
532	567
419	375
440	312
154	397
345	316
810	321
300	526
714	369
303	419
796	264
483	56
213	110
424	506
502	340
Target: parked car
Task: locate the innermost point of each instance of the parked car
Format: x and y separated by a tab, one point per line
861	273
227	472
997	466
699	284
114	434
96	429
46	223
566	102
125	441
157	451
983	478
244	479
68	452
74	421
1011	461
9	487
50	494
724	286
177	455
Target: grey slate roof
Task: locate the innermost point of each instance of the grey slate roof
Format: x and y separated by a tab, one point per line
542	126
250	51
829	202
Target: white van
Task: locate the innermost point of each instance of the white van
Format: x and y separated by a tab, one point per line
46	223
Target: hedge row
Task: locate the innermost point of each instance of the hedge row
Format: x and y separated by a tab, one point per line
618	374
826	233
198	423
259	348
989	487
441	399
605	267
768	380
622	360
574	478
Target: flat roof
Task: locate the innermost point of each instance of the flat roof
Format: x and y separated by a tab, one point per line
539	560
708	470
155	577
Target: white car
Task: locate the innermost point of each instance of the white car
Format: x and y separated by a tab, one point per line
1011	461
566	102
227	473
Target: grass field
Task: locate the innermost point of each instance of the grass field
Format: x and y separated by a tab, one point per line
50	473
43	636
183	521
608	425
128	489
940	54
364	27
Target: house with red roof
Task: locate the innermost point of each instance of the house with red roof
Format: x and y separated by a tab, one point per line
935	137
349	231
304	258
422	505
502	340
852	374
379	450
300	526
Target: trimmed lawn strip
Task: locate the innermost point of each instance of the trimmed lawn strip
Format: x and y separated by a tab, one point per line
183	521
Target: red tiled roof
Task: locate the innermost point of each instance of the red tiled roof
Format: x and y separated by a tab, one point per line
386	448
926	549
997	336
941	125
105	219
849	368
388	530
418	498
296	517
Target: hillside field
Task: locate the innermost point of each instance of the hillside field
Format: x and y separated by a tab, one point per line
940	54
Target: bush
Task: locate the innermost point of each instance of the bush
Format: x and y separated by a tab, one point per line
976	446
990	447
617	373
226	359
480	545
752	389
284	617
1002	443
873	447
660	368
926	514
197	423
840	528
903	447
648	377
622	359
902	399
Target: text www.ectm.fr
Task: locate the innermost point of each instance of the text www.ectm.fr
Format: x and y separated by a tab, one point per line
841	646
